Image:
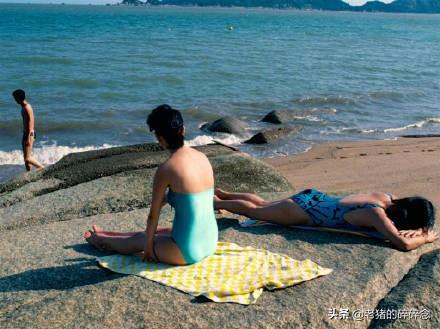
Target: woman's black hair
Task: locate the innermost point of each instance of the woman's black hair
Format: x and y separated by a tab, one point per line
167	122
412	213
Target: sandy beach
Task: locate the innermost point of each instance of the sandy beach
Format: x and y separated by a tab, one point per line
407	166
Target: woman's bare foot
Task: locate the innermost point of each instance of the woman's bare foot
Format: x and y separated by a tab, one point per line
93	240
97	229
219	193
219	211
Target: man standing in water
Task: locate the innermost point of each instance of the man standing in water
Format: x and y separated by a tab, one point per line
29	135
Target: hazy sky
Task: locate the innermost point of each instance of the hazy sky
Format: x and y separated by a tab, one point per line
353	2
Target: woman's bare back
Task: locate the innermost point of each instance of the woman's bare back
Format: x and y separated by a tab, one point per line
189	171
365	216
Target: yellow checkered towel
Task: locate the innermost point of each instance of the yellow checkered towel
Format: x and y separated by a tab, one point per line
233	274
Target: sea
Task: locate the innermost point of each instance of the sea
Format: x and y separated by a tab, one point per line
93	73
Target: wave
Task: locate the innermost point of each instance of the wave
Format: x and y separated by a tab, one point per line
46	154
310	118
359	130
325	100
419	124
224	138
357	99
313	114
53	153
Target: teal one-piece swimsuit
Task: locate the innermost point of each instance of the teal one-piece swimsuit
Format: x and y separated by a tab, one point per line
195	228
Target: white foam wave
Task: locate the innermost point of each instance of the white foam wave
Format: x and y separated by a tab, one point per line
310	118
358	130
206	139
46	154
419	124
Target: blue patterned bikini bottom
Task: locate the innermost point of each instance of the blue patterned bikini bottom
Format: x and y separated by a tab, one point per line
325	210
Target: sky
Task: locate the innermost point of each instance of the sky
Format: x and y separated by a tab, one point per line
352	2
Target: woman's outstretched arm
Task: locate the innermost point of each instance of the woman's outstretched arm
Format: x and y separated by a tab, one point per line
160	185
404	242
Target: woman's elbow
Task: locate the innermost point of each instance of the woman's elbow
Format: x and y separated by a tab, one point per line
405	246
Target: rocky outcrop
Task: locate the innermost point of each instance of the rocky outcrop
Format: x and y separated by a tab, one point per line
227	125
279	117
271	135
415	300
300	4
114	180
402	6
48	275
398	6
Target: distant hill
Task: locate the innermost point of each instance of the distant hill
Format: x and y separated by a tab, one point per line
300	4
399	6
404	6
133	2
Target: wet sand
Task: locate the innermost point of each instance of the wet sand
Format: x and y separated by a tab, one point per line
407	166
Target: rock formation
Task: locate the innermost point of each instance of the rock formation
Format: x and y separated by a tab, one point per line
49	279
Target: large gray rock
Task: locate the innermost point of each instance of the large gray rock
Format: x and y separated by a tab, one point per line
48	276
116	180
227	125
419	290
271	135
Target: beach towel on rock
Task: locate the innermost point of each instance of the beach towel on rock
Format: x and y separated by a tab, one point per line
233	274
360	231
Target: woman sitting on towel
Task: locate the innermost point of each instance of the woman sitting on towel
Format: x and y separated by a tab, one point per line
188	176
406	222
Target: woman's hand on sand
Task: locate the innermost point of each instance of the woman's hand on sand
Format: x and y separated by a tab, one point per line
431	236
411	233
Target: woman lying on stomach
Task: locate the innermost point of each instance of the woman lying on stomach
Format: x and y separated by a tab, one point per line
406	222
189	179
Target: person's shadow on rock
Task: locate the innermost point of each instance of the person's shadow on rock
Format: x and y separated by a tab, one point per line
85	248
83	271
79	274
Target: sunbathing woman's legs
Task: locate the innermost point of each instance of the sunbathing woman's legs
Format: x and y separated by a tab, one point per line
255	199
284	212
165	248
161	230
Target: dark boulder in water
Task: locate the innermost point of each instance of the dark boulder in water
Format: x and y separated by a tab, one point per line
273	134
279	117
227	125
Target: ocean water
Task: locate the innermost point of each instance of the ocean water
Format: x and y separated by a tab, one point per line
92	73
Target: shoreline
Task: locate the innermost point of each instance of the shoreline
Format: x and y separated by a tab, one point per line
405	166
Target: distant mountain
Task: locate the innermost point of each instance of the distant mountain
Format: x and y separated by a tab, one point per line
133	2
300	4
404	6
399	6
